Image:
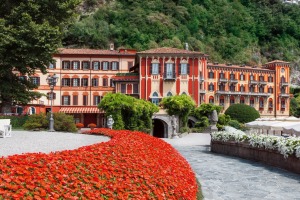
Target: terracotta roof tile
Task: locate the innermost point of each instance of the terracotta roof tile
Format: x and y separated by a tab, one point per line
169	50
234	66
92	52
123	78
277	61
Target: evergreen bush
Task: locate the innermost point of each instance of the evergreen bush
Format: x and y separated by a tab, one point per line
16	121
242	113
36	121
62	122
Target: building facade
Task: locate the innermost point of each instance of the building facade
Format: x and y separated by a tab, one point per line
86	75
164	72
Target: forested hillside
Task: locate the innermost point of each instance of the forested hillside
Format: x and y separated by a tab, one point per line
236	31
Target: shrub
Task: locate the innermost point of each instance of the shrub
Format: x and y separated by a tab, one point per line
242	113
16	121
79	125
184	130
36	121
223	121
64	122
32	126
92	125
235	124
203	122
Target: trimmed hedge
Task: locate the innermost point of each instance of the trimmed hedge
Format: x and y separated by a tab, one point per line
242	113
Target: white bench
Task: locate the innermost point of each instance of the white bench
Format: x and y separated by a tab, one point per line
5	128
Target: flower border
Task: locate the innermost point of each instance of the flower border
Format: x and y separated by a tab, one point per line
286	146
132	165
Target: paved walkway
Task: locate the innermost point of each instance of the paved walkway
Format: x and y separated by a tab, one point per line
45	142
223	177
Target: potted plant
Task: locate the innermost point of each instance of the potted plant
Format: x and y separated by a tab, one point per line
92	126
79	125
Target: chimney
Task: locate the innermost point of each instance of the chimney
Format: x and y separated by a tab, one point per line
111	46
186	46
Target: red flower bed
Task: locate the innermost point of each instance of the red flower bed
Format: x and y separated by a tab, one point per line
132	165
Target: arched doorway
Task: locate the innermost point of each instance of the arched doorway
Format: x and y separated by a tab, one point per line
159	129
191	121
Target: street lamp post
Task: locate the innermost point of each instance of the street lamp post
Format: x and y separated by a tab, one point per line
51	80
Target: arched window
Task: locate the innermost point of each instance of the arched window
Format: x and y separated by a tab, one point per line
270	104
31	110
261	78
270	89
155	99
222	101
211	74
261	103
221	75
211	99
169	94
242	88
242	77
252	102
211	87
222	87
232	87
261	89
251	77
270	78
242	100
282	103
232	100
232	76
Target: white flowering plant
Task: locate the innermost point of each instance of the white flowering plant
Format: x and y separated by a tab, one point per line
286	146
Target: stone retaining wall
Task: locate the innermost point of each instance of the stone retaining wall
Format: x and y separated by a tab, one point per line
269	157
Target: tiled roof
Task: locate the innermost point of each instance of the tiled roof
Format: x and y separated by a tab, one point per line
234	66
277	61
91	52
169	50
123	78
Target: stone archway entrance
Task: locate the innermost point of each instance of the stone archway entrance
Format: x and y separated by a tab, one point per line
192	121
158	128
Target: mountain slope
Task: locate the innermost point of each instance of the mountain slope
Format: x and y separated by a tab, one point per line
245	31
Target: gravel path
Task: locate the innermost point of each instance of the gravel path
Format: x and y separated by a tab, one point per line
231	178
45	142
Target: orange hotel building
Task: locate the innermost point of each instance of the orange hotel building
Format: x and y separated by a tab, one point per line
85	75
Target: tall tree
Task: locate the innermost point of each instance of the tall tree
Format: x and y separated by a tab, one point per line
30	32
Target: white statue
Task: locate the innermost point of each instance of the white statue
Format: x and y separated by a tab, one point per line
110	122
174	126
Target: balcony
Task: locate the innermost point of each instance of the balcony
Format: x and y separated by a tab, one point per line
233	81
261	94
222	92
169	76
284	84
262	82
284	95
202	91
253	82
223	80
201	79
